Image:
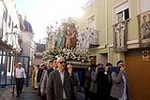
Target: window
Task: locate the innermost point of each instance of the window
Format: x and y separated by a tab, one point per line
91	22
5	16
144	5
122	15
126	13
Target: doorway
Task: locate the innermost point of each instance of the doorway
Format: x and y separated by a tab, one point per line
138	72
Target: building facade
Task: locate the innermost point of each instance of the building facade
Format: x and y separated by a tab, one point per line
16	41
9	40
9	33
124	34
28	44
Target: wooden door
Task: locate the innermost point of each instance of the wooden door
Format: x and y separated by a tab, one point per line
138	72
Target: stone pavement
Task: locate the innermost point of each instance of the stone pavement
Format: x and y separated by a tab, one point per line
28	94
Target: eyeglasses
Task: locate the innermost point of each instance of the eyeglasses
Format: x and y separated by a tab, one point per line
62	62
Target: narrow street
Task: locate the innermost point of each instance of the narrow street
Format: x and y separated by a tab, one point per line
27	94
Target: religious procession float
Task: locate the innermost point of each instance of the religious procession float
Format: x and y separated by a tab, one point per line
67	40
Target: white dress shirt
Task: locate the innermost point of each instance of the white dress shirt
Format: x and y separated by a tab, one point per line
62	80
124	96
20	73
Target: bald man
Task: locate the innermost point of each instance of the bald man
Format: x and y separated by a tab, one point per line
61	82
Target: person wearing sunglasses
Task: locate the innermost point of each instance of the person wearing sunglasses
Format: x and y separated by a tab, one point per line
61	82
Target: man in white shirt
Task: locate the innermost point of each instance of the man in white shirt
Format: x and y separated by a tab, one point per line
20	76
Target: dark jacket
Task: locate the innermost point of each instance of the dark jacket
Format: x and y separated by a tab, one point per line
39	74
49	71
104	86
55	86
87	79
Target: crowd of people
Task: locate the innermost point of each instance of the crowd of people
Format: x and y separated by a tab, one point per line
106	84
58	81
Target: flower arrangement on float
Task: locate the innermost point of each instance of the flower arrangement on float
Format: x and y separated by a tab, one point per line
77	55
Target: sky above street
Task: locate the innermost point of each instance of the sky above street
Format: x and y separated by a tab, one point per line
40	12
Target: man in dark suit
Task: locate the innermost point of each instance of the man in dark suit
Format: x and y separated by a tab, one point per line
61	82
104	82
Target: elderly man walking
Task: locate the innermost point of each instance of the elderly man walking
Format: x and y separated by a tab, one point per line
61	82
20	76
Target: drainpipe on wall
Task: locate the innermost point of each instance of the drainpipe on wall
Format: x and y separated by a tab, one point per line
139	6
106	26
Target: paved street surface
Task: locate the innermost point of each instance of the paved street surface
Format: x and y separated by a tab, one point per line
28	94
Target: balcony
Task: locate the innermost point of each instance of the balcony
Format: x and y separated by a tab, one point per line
94	39
89	39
